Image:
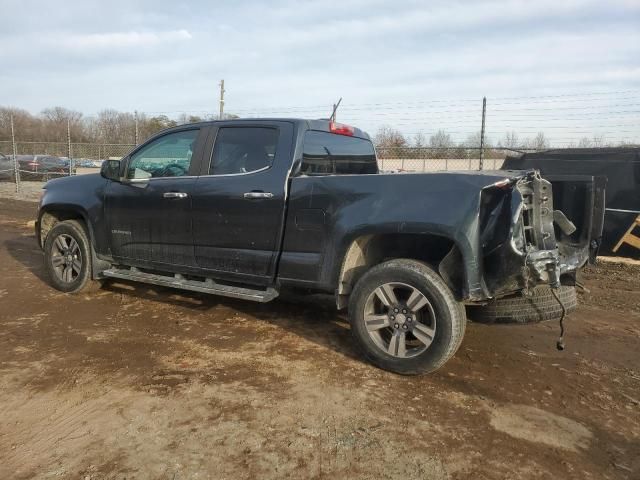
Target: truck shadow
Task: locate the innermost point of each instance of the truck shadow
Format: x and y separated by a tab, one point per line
311	316
25	250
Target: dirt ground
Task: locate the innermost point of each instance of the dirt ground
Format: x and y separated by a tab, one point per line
29	191
148	383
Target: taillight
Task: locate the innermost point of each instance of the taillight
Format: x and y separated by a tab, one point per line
340	129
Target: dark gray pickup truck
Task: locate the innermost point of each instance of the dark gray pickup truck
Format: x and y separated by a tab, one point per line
246	208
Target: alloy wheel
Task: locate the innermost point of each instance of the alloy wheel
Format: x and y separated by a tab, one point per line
66	258
400	319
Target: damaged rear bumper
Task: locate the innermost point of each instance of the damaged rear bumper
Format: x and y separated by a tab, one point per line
541	245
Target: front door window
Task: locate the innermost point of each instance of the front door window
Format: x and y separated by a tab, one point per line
168	156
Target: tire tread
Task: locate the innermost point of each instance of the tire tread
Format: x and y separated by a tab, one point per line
79	230
541	305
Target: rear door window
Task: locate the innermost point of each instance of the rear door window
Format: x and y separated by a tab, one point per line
330	154
243	150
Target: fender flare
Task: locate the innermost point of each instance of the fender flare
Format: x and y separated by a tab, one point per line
76	212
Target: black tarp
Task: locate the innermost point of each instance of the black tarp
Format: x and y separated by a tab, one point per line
621	167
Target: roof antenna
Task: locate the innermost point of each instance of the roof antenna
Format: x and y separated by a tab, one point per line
335	108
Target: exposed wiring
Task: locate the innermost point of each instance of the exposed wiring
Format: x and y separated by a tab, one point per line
560	342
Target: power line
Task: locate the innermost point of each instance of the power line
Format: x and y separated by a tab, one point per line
586	94
450	102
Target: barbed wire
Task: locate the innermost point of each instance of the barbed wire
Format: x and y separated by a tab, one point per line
563	118
416	104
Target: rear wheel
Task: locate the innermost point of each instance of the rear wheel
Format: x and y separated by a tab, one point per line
404	318
67	254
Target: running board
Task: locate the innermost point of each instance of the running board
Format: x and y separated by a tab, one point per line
178	281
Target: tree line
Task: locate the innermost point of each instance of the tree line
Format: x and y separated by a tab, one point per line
390	141
388	137
108	126
111	126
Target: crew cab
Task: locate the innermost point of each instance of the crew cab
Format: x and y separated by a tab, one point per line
246	208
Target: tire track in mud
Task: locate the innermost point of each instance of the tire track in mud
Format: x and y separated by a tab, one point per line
40	438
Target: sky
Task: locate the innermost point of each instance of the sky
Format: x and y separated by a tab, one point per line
414	65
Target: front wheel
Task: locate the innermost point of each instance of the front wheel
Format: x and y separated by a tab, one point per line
404	318
67	257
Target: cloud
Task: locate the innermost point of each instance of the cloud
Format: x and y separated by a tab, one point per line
93	41
284	54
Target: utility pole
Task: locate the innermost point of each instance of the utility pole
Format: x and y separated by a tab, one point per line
221	99
484	113
136	121
16	170
69	146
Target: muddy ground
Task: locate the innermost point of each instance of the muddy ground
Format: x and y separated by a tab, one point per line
142	382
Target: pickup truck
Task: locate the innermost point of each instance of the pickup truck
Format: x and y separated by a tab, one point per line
247	208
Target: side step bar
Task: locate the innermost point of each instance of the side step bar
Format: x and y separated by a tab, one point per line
178	281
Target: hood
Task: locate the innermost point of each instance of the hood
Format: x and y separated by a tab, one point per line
72	181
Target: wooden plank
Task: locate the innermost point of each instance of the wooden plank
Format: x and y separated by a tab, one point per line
628	237
633	241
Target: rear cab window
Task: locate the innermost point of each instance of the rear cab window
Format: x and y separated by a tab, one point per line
327	153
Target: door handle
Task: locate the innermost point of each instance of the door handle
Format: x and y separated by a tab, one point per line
254	195
175	195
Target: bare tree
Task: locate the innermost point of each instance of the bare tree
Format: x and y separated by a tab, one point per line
112	126
539	142
109	126
390	142
510	140
152	125
183	119
54	125
599	141
440	139
22	120
470	148
473	140
388	137
584	142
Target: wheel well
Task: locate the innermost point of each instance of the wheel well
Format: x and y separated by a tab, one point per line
51	217
369	250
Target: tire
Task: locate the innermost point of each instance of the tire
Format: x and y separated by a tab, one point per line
540	306
430	332
67	257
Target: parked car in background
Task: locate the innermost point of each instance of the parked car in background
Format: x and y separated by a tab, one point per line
42	167
87	163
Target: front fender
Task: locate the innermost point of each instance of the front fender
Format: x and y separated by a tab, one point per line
59	212
76	197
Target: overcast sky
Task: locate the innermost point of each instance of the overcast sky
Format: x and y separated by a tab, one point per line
168	56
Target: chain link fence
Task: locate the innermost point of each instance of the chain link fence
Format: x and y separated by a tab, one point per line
417	136
79	151
41	161
433	159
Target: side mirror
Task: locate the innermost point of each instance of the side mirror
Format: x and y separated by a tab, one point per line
110	169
